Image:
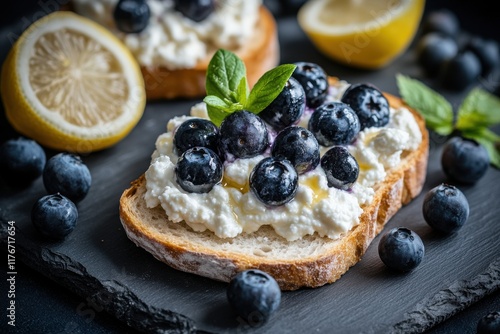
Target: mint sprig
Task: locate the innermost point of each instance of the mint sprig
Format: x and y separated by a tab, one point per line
227	86
477	112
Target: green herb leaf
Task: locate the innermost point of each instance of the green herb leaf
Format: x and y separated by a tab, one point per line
479	109
224	74
438	112
218	109
487	138
242	92
216	115
268	87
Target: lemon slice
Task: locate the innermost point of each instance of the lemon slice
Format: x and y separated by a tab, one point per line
71	85
361	33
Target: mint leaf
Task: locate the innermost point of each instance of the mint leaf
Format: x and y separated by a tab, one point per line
479	109
218	108
268	87
216	114
242	92
437	112
487	138
224	74
215	102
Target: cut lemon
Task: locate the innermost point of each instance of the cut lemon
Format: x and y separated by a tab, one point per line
361	33
71	85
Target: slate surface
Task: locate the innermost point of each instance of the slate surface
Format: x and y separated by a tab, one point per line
98	262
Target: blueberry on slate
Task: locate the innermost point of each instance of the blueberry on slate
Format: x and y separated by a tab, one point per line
433	50
340	167
54	216
460	71
198	170
299	146
196	132
196	10
66	173
442	21
401	249
489	324
464	160
243	135
254	295
274	181
487	52
368	103
287	107
131	16
445	208
334	123
21	161
314	81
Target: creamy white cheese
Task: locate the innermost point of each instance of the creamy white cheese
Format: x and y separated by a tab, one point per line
230	208
174	41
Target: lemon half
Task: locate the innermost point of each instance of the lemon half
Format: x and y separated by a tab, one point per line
361	33
71	85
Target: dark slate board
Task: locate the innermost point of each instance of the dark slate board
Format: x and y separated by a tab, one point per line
99	263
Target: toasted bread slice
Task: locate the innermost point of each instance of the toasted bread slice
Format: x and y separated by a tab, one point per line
309	262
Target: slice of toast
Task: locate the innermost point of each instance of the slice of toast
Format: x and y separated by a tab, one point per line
308	262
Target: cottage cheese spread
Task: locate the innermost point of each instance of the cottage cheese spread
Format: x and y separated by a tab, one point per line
230	208
174	41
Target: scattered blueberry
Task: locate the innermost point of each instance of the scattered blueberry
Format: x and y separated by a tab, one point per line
487	52
368	103
489	324
274	181
445	208
54	216
21	161
340	167
464	160
334	123
198	170
460	71
287	107
314	81
131	16
254	295
243	135
433	50
196	132
299	146
401	249
442	21
66	173
196	10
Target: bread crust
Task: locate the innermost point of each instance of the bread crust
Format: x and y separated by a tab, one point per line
189	252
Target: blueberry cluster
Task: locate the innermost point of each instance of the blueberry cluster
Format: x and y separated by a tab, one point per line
453	62
132	16
65	177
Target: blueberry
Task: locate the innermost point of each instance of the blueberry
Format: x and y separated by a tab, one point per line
340	167
460	71
299	146
196	132
314	81
131	16
486	51
445	208
243	135
464	160
442	21
21	161
66	173
198	170
401	249
433	50
196	10
254	295
334	123
274	181
287	107
368	103
489	324
54	216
